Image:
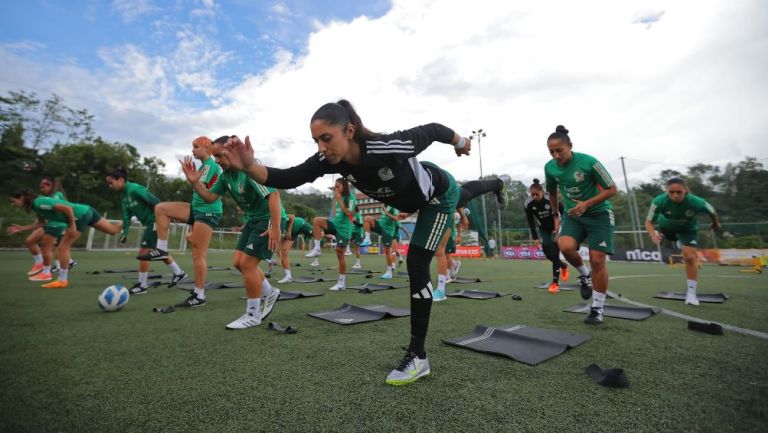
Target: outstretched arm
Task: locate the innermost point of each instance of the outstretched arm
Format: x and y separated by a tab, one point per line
240	156
15	228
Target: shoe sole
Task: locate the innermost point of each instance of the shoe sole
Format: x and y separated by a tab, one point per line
438	300
593	322
395	382
138	293
32	274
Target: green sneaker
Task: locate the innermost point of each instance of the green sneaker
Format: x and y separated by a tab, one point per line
502	196
410	369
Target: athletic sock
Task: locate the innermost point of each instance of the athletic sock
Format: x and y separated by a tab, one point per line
342	280
316	244
175	268
266	288
200	293
367	236
583	269
63	274
288	273
691	286
143	278
38	258
357	262
162	244
252	306
46	269
388	271
58	265
441	279
598	299
421	297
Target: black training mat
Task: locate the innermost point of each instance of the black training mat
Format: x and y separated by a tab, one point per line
466	280
715	298
566	287
476	294
619	312
525	344
286	295
401	274
119	271
373	287
219	268
351	314
309	279
274	326
210	286
359	271
610	377
149	277
708	327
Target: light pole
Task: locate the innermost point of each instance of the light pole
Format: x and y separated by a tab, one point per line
479	134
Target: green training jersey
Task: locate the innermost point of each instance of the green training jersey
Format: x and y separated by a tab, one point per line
250	196
386	223
58	195
580	179
137	200
209	173
341	220
359	228
678	216
43	207
298	226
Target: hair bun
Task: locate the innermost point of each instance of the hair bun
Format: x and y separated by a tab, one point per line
561	129
536	181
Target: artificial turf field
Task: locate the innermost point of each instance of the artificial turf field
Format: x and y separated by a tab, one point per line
66	366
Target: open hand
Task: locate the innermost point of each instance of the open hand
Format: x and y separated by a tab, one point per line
190	171
238	154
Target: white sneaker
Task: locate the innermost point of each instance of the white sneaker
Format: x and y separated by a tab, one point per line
691	299
337	288
315	262
438	295
313	253
247	320
357	266
408	370
285	279
347	253
268	303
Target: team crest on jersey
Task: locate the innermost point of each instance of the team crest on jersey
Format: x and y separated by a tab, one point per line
546	206
241	188
578	176
689	214
385	174
351	178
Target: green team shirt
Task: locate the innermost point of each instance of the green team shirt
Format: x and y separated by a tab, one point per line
341	220
137	200
250	196
298	226
359	228
209	173
43	207
580	179
386	223
58	195
678	216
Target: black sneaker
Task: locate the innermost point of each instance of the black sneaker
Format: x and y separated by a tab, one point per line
502	197
153	254
175	279
192	301
137	289
595	316
72	263
585	286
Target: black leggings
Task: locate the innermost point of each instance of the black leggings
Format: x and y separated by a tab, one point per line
552	253
476	188
419	260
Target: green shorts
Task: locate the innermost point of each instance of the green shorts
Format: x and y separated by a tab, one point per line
305	230
689	238
252	243
357	236
597	230
208	218
149	239
88	219
386	237
436	217
546	237
57	231
342	234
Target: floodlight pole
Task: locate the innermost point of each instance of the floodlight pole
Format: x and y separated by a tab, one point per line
479	134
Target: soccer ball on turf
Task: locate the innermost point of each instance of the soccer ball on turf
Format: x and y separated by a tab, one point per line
114	298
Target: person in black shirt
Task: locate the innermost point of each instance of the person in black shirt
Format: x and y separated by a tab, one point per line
541	221
383	167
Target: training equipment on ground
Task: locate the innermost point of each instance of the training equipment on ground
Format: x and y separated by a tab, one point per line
114	298
286	295
114	271
220	268
610	377
526	344
467	280
135	276
714	298
309	279
476	294
619	312
210	286
401	274
370	287
360	271
351	314
274	326
708	327
564	287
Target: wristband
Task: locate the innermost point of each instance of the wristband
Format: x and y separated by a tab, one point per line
460	144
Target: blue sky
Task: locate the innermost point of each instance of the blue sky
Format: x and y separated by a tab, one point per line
663	84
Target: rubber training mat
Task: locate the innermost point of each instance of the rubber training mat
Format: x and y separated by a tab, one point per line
210	286
286	295
360	271
522	343
619	312
476	294
309	279
149	277
351	314
113	271
566	287
220	268
468	280
713	298
373	287
401	274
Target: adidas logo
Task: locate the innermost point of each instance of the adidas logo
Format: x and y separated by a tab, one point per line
602	244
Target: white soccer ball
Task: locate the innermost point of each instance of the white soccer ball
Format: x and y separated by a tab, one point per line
114	298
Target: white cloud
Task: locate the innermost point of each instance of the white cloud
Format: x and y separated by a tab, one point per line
131	10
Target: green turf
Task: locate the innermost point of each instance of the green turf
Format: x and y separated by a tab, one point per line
66	366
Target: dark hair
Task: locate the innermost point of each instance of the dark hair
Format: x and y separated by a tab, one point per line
27	194
560	134
118	173
344	188
536	185
676	180
343	113
223	139
56	183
